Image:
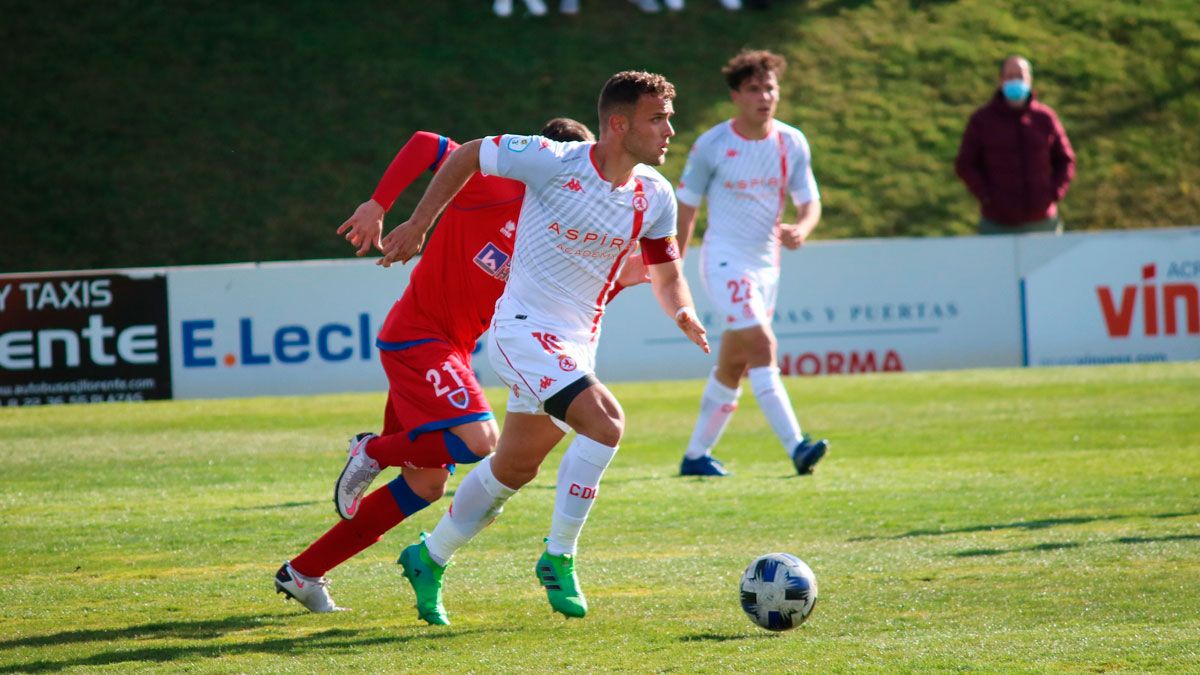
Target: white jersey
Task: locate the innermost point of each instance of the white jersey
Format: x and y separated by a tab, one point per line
746	182
575	229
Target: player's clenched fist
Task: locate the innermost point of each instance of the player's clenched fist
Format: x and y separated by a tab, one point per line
690	324
402	243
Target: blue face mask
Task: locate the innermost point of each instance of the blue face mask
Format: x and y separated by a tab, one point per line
1015	90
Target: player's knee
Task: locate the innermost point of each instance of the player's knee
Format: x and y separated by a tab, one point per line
514	474
761	350
428	484
470	443
609	428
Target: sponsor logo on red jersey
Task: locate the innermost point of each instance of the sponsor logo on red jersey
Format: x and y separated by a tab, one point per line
493	261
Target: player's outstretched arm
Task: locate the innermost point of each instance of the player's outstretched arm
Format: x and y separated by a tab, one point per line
671	289
422	151
404	242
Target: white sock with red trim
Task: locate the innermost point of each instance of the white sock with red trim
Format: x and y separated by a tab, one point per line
716	409
775	404
477	502
583	465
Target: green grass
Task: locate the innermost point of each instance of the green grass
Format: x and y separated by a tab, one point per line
197	132
998	520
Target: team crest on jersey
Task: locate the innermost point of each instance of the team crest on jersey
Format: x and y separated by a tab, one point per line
640	203
459	398
493	261
518	143
566	363
509	229
672	249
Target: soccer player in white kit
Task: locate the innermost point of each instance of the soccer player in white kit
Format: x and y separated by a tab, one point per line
748	167
585	208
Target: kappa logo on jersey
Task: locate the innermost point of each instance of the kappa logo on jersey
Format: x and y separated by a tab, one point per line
543	144
518	144
573	185
566	363
640	203
731	153
545	383
493	261
509	229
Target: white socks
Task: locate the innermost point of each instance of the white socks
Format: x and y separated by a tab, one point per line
716	409
479	499
579	475
775	404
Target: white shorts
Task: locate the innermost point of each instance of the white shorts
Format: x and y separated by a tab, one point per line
535	362
745	295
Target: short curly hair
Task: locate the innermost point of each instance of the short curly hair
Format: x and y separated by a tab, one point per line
566	129
752	63
625	88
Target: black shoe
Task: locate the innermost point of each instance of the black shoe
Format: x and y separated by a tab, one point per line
807	454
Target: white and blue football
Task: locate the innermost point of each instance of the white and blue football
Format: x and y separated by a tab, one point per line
778	591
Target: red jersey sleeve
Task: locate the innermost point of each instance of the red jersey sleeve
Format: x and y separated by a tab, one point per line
424	151
657	251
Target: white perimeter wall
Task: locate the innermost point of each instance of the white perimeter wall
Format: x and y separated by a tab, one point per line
844	306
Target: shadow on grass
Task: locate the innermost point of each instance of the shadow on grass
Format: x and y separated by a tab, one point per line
725	637
192	630
331	640
271	507
1040	524
1057	546
1051	546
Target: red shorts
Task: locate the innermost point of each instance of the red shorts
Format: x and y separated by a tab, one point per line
431	387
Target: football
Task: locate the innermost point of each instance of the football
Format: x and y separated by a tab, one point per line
778	591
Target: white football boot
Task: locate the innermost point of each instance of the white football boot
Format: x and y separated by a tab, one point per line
356	477
308	591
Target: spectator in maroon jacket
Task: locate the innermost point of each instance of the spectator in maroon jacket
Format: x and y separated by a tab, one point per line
1015	157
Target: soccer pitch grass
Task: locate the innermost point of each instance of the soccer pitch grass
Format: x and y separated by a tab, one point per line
1036	520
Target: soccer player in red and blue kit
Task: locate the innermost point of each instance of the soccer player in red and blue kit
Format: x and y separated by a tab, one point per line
436	414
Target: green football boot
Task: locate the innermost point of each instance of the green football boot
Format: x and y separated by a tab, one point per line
425	575
557	574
